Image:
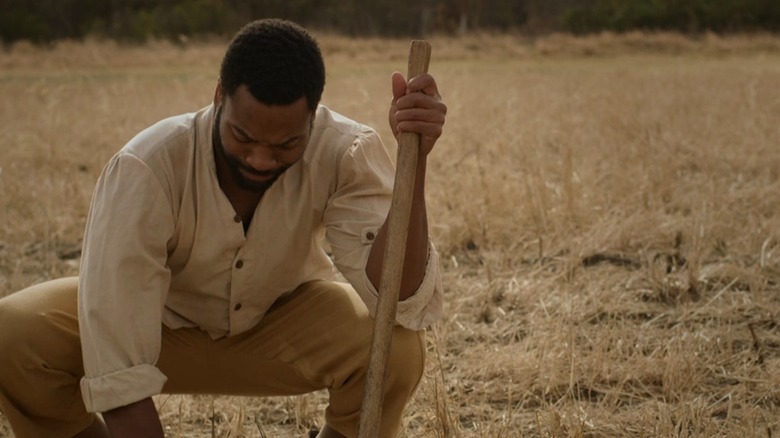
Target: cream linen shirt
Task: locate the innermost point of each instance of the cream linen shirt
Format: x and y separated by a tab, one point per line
163	245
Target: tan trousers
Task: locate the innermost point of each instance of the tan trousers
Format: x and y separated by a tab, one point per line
316	338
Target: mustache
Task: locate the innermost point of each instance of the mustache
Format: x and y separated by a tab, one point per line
253	171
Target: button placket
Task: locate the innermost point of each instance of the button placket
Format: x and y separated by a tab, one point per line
237	264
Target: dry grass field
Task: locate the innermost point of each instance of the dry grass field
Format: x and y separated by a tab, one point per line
607	210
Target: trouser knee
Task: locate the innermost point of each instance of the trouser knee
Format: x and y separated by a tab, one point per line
7	342
40	331
406	363
18	339
404	369
41	361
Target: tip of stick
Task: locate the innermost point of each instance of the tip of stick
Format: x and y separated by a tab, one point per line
419	57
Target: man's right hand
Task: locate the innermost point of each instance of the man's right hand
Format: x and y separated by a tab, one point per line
135	420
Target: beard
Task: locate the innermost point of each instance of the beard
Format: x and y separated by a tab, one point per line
235	165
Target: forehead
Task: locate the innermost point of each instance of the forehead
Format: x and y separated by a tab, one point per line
267	123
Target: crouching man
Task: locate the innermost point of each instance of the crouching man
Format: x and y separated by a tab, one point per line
202	270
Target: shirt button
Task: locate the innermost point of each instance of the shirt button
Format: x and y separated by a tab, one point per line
237	218
239	264
370	235
237	307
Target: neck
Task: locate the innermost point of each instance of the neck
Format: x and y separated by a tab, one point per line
244	201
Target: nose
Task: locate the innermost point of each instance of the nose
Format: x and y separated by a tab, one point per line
262	158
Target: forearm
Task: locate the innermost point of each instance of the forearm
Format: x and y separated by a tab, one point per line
137	419
416	256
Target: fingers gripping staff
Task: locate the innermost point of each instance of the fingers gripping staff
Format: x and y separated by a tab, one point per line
392	269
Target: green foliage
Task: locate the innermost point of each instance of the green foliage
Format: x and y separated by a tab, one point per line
46	20
199	17
138	20
677	15
23	25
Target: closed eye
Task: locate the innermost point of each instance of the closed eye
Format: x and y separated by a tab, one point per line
240	136
290	144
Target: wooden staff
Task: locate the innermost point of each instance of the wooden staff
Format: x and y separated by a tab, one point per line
392	269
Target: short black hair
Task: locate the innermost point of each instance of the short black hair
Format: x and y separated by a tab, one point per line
278	60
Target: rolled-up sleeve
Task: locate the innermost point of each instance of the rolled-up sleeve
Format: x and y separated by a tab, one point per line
355	213
123	285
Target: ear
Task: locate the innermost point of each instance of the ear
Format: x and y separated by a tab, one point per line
218	94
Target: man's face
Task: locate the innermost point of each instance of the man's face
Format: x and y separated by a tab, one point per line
258	142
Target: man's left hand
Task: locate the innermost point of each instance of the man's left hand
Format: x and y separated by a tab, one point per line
417	107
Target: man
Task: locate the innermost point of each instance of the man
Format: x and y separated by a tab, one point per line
202	269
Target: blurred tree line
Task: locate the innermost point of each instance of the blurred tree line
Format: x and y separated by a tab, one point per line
138	20
690	16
